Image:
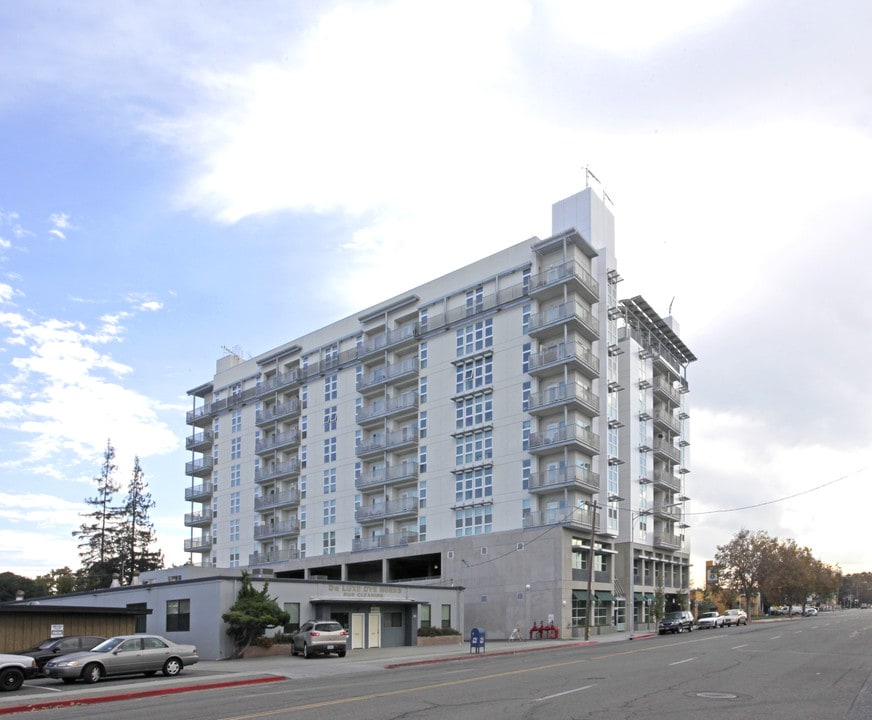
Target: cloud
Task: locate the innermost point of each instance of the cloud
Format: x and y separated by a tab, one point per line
60	223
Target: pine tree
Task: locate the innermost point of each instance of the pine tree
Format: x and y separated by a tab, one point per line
136	531
98	535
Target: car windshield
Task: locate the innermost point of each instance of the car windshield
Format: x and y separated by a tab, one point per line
328	627
674	616
46	644
108	645
711	614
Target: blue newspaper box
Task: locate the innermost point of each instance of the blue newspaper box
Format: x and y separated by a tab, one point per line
476	640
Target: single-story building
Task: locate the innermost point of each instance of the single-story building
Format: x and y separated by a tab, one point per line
185	605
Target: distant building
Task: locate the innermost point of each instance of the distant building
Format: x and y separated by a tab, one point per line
476	431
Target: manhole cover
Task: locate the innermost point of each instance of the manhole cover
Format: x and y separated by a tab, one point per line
717	696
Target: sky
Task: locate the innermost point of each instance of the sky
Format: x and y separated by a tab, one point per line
180	178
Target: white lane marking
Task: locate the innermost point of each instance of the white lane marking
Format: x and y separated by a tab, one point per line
568	692
679	662
739	647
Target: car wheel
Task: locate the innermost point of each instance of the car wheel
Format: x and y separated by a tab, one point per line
11	679
690	628
172	667
306	653
341	653
92	673
294	649
679	629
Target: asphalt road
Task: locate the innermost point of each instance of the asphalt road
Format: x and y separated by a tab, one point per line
817	668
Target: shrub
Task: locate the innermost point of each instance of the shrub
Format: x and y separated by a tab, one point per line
436	631
264	642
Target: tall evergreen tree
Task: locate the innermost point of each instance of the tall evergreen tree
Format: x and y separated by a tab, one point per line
136	531
98	534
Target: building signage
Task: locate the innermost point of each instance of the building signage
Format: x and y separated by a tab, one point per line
364	592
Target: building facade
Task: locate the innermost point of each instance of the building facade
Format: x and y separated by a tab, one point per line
511	427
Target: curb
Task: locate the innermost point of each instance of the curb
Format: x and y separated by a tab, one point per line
52	704
476	656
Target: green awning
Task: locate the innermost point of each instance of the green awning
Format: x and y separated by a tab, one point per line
604	596
649	596
579	595
639	597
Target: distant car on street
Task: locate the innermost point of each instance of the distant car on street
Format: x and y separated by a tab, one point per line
709	620
735	616
676	622
123	655
810	611
14	669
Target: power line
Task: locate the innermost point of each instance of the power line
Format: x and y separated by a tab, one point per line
781	499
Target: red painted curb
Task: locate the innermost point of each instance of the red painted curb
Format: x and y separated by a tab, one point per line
50	705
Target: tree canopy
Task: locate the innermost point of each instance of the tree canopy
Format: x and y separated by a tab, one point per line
253	612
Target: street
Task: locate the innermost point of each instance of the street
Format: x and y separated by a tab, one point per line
803	668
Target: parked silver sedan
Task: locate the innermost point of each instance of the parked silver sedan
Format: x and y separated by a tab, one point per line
123	655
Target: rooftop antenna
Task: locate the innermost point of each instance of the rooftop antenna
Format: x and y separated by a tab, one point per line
669	312
588	174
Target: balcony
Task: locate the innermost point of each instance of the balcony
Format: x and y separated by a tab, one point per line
579	437
387	408
199	519
383	541
280	381
667	541
199	468
573	394
393	474
271	557
667	391
565	477
667	420
550	282
199	442
579	517
200	417
271	501
279	529
575	315
199	493
665	449
199	545
666	481
389	442
666	512
279	411
390	340
387	374
575	355
387	509
278	441
278	471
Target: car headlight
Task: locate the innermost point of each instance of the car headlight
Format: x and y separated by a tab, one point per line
66	663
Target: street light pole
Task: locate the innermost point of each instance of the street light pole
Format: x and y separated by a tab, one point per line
590	562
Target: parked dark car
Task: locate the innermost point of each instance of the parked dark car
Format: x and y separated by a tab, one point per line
14	669
320	637
676	622
55	647
123	655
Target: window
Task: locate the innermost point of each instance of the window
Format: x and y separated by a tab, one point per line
236	421
473	521
422	356
329	512
235	475
330	543
331	387
476	447
525	396
330	450
473	411
474	301
475	338
525	435
234	531
424	615
302	517
235	448
446	616
178	615
330	418
422	459
293	611
139	623
304	426
473	485
525	319
330	481
234	557
525	473
422	494
235	503
474	374
422	390
422	424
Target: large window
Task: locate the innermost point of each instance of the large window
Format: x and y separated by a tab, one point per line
476	447
178	615
472	411
424	615
473	485
475	338
446	616
293	610
473	521
474	374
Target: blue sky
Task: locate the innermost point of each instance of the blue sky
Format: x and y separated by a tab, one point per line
178	177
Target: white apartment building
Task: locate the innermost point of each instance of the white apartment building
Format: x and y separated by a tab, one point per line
483	430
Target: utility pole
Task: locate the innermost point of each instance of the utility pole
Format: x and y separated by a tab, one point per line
590	562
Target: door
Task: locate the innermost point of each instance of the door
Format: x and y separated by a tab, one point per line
358	623
374	639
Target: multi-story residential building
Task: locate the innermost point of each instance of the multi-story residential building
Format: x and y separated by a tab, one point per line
511	427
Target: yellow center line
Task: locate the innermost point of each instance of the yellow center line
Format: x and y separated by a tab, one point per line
448	683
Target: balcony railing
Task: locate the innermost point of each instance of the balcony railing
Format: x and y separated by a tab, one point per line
667	540
387	442
279	411
199	441
564	477
573	313
571	434
563	394
277	441
388	508
279	529
273	556
277	471
668	420
667	390
200	544
280	381
199	493
405	471
199	467
667	449
199	519
568	272
391	339
383	541
564	353
578	517
667	481
278	499
388	408
389	373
